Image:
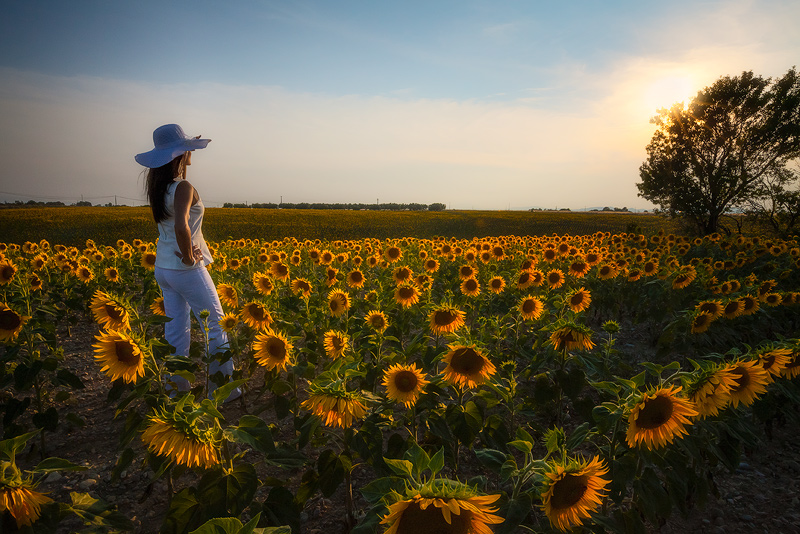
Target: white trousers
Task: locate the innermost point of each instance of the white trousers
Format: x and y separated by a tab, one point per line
192	289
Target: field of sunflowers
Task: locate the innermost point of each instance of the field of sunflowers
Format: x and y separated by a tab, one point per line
464	385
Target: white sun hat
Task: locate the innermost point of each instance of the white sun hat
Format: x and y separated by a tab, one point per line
170	142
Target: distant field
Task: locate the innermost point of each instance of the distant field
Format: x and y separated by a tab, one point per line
74	225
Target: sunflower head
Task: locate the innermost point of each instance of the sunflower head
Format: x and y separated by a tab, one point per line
336	406
750	381
376	320
658	417
406	294
338	302
572	336
110	312
22	501
404	383
120	355
530	308
256	316
573	490
467	366
446	319
272	350
335	343
184	434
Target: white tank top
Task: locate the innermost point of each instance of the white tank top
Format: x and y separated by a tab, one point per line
167	242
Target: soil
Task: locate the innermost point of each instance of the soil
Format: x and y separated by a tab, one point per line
761	496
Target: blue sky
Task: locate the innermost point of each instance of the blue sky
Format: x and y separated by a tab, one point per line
477	104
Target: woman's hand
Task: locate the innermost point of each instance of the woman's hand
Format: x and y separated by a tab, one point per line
197	255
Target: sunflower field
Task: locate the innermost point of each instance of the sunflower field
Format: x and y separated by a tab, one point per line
426	385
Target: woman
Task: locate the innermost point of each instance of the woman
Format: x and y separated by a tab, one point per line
182	254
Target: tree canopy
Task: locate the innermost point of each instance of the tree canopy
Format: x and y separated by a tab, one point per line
715	154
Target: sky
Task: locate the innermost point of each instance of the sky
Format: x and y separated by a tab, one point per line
475	104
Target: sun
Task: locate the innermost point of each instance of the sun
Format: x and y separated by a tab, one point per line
667	90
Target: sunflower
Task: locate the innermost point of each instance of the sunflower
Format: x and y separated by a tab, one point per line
34	282
571	337
792	368
393	254
470	287
279	271
772	299
712	307
119	355
11	323
446	319
228	295
302	287
574	491
497	284
7	272
701	321
579	268
263	283
228	322
442	507
555	278
751	380
157	307
466	271
404	383
750	305
22	502
530	308
148	260
335	407
330	276
109	312
335	343
183	443
338	302
608	271
256	316
659	417
580	300
711	392
406	295
376	320
84	274
402	274
431	265
774	361
732	309
272	350
111	274
467	366
525	279
355	278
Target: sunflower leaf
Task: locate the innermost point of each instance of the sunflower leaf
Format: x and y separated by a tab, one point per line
401	467
437	462
56	464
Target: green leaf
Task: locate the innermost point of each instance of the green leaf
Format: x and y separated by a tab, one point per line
70	379
254	432
522	446
554	440
56	464
10	447
403	468
96	512
491	458
515	512
437	462
123	462
419	459
578	436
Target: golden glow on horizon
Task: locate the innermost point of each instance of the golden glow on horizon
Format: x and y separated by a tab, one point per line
668	90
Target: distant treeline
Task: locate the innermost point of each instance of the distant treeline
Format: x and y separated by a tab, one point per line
387	206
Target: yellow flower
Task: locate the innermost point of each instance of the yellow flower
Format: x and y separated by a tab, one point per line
711	393
574	492
338	302
263	283
555	278
165	438
335	408
580	300
530	308
750	379
406	295
355	278
119	355
111	274
659	417
22	502
7	272
497	284
272	350
377	320
109	312
571	337
279	271
470	287
11	323
157	307
228	322
467	366
302	287
84	274
774	361
442	511
446	319
148	260
701	322
404	383
402	274
228	295
256	316
335	343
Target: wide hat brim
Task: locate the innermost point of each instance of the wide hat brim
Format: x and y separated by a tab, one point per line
163	155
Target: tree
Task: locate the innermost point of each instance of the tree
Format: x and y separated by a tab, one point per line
714	154
777	201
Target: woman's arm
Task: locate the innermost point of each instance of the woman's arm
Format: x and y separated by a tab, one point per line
184	194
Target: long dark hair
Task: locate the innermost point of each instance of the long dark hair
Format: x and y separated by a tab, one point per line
157	182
